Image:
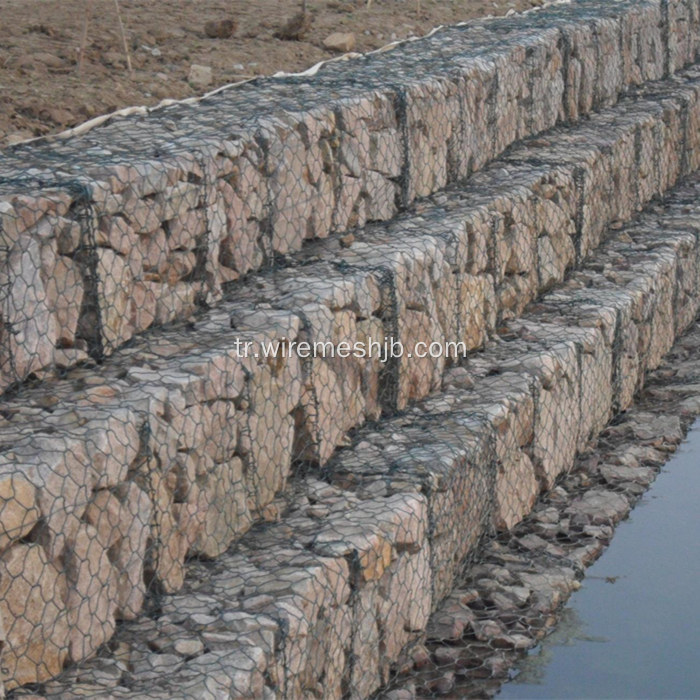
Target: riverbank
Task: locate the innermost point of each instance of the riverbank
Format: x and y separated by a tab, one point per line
513	600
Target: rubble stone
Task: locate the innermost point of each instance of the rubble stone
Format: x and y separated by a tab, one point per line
196	443
32	591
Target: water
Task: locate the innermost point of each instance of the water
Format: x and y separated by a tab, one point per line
633	629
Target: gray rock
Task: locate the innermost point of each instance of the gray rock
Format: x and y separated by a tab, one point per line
200	76
598	507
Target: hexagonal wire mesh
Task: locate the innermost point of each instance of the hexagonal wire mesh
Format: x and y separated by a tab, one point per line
272	386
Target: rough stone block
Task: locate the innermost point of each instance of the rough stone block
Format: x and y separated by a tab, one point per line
331	404
123	524
432	112
222	508
513	423
474	297
643	51
472	144
609	69
540	105
662	325
365	676
404	605
32	595
63	283
112	444
169	543
18	509
557	412
582	64
26	309
683	21
510	85
91	600
266	447
58	468
596	376
418	376
115	283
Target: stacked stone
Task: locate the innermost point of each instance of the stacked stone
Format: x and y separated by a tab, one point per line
512	598
142	220
539	393
178	443
323	600
107	494
453	271
281	610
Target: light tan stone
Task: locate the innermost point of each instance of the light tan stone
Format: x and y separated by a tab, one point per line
154	250
332	403
470	319
365	676
58	467
143	306
115	289
340	41
225	508
105	514
516	489
32	595
418	376
92	593
142	214
369	330
168	542
185	230
334	650
405	602
199	76
240	249
112	444
372	547
123	525
25	310
266	447
403	518
18	510
173	302
376	557
130	551
209	428
114	232
68	235
64	291
177	266
386	152
223	370
175	201
65	358
557	417
22	213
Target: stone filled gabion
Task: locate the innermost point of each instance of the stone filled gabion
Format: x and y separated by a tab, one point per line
202	520
352	569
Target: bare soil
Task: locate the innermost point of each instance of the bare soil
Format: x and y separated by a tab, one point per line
46	88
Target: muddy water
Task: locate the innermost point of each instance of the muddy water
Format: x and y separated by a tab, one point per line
633	629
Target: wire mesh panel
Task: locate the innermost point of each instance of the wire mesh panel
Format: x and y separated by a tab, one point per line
279	366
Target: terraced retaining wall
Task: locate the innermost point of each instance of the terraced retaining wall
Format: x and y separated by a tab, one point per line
323	601
142	220
112	475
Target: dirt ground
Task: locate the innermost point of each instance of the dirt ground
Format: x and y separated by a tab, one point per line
45	87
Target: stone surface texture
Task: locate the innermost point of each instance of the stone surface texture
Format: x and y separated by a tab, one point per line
238	522
143	220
